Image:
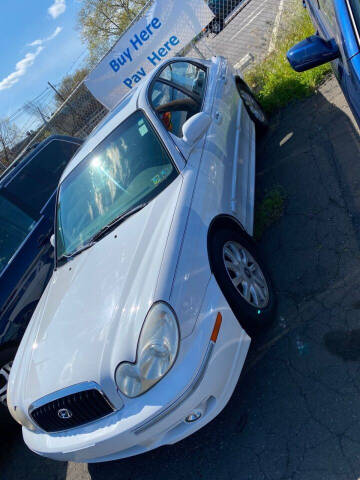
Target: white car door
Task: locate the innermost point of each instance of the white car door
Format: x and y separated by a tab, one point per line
230	148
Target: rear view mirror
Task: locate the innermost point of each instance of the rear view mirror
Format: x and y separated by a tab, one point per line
312	52
52	240
194	128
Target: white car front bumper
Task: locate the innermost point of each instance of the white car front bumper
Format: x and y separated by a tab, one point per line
202	380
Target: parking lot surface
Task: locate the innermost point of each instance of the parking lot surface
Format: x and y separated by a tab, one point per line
250	32
295	413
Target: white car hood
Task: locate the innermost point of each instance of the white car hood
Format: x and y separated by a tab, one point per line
92	311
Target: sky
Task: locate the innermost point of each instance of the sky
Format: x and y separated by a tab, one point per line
39	43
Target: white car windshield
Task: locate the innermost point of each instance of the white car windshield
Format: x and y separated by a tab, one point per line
127	169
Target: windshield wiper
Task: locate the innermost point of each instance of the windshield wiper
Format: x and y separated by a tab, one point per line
101	233
65	258
114	223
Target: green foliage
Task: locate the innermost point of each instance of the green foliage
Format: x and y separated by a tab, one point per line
274	81
270	210
101	22
69	83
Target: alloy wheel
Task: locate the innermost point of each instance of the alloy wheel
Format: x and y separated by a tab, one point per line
253	106
216	27
245	274
4	378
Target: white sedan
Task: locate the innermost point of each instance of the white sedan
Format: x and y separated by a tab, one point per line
142	332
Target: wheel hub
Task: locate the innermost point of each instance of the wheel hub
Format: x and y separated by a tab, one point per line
253	106
245	274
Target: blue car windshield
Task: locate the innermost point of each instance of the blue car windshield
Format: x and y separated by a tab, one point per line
127	169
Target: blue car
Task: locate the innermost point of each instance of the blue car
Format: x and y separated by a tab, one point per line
337	40
27	207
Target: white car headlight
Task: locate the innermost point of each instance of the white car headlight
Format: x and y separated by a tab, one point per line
156	352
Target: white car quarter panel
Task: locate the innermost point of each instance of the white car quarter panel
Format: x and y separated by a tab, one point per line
229	152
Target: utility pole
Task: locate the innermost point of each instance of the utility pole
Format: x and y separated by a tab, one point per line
44	119
79	115
56	91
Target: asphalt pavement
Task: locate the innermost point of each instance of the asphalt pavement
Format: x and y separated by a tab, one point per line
249	33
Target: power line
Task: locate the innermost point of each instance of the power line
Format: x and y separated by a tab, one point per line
44	102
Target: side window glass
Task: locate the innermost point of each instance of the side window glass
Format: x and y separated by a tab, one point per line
173	106
327	7
355	7
186	75
38	179
15	225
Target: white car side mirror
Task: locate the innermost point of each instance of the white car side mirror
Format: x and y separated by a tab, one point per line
194	128
52	240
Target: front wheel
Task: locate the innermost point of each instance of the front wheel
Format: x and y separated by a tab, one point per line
7	356
254	109
243	279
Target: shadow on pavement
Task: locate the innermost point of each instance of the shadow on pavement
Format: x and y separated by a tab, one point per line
295	414
344	343
18	462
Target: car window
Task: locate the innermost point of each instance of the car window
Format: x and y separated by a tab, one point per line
173	106
38	179
128	168
15	225
355	8
186	75
327	7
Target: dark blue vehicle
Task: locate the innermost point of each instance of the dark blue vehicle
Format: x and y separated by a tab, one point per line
27	206
337	40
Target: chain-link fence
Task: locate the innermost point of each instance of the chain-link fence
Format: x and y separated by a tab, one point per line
76	117
242	31
80	112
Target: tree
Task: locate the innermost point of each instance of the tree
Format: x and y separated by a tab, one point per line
69	83
101	22
9	136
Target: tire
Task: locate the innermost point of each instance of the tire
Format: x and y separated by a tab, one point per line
7	356
253	300
254	109
217	25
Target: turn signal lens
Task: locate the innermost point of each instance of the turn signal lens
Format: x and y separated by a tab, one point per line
216	328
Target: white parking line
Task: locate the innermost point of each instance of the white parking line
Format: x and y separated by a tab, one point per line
276	28
238	9
262	7
244	62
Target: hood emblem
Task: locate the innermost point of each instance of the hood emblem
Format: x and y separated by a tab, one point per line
64	413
